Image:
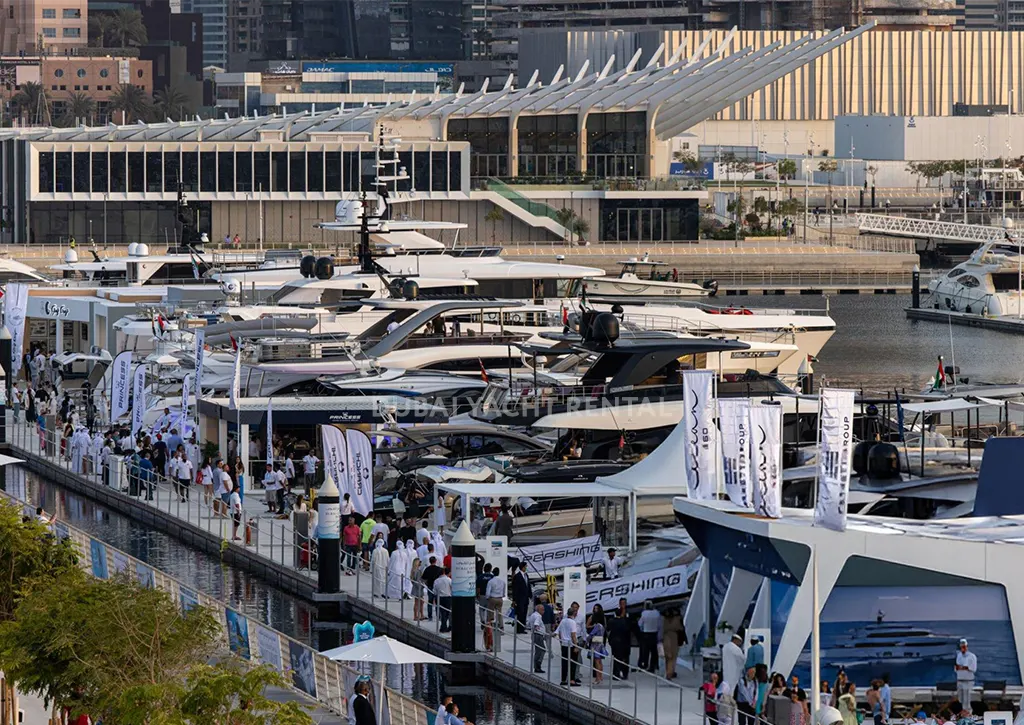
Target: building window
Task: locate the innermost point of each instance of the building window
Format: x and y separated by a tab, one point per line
139	73
208	171
243	171
78	88
48	13
332	170
104	73
279	163
50	33
226	172
136	172
261	171
63	174
118	173
72	32
72	14
172	171
99	172
315	171
83	174
63	87
154	171
190	170
298	171
85	87
46	172
59	73
81	73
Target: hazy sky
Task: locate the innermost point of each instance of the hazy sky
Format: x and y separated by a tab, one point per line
916	604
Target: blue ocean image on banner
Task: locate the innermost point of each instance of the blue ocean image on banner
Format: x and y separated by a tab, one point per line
720	571
912	634
99	559
238	633
782	598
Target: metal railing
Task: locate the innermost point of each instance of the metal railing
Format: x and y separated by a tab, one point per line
329	677
513	649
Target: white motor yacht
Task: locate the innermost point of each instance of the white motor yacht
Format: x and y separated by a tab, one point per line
987	283
176	266
640	278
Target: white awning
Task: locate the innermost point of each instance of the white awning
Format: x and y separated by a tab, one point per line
951	405
531	490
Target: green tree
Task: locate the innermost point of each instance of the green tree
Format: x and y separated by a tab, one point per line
231	693
33	103
689	161
873	173
786	168
78	108
830	167
565	217
131	101
128	28
100	26
494	217
581	228
94	645
172	103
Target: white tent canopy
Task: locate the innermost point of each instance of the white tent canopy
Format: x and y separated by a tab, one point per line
383	650
951	405
531	490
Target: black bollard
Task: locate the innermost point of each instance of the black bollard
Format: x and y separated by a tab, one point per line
872	197
915	288
329	560
464	617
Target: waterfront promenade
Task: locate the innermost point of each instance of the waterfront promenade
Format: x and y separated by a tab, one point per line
274	554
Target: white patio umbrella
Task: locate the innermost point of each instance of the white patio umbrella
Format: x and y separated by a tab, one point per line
386	651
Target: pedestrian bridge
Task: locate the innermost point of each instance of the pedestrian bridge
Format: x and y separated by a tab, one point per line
896	226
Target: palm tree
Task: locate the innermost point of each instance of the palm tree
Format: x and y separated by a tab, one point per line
100	25
131	101
127	26
172	103
31	101
79	107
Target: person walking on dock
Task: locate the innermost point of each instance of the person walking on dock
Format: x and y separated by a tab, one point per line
620	637
539	633
309	462
351	537
379	567
497	590
650	626
521	595
443	592
568	639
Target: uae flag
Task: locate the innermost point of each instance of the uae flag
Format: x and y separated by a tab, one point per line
940	377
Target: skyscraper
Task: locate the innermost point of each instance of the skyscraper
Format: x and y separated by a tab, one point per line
35	27
215	29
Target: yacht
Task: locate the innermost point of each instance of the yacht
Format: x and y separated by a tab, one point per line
987	283
887	643
640	278
177	265
12	270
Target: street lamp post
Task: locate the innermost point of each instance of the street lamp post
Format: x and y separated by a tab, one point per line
807	184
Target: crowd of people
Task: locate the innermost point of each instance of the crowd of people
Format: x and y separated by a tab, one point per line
743	692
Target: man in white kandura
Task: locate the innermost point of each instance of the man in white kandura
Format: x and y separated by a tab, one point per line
966	666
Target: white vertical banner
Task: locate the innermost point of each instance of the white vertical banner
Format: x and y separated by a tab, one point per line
734	418
766	458
15	311
835	420
186	396
360	470
236	379
120	385
270	432
335	456
700	449
139	399
199	353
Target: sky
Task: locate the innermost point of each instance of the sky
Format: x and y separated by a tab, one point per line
916	604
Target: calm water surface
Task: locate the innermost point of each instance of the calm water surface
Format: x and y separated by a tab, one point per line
877	348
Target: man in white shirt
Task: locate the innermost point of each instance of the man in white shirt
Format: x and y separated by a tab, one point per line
235	503
440	513
650	625
734	660
966	666
568	638
309	462
184	475
219	489
443	592
423	534
497	589
538	630
611	565
271	485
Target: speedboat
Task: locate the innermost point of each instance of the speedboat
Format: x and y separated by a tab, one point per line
640	278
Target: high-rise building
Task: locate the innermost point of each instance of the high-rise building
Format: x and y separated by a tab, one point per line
43	27
244	26
215	29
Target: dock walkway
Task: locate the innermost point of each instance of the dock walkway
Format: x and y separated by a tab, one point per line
643	698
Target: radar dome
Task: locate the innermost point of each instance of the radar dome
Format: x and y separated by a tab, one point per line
70	256
231	286
133	249
324	268
307	267
142	250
